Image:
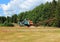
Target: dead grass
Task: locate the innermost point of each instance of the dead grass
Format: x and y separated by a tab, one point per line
31	34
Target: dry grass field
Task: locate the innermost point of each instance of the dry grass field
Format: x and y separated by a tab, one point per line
31	34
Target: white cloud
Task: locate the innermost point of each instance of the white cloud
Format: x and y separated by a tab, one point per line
16	6
0	15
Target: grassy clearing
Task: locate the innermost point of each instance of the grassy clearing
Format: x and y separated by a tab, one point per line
36	34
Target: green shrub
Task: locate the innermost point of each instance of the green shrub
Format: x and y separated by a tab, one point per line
9	24
1	24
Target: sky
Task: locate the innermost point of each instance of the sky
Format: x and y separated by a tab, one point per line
10	7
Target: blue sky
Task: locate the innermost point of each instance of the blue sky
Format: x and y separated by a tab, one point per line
10	7
4	1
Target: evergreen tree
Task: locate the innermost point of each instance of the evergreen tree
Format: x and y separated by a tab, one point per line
14	18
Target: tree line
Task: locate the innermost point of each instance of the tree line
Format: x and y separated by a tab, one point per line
47	14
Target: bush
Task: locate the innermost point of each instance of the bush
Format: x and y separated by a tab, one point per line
1	24
9	24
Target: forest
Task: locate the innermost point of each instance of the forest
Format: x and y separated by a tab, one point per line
47	14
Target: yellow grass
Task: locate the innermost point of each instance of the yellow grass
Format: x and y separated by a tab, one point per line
31	34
